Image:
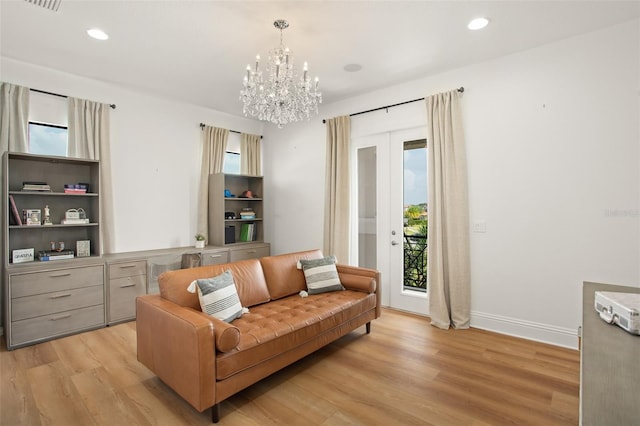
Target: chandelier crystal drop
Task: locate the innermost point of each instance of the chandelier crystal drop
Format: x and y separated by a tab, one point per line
275	92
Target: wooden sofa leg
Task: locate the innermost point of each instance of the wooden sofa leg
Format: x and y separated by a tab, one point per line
215	413
368	325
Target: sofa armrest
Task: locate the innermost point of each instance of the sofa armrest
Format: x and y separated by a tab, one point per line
358	283
178	345
362	279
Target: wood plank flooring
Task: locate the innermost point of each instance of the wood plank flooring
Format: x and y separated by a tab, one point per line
404	373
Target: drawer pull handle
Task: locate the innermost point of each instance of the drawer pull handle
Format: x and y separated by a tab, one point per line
127	266
58	296
61	317
127	285
251	251
215	255
60	275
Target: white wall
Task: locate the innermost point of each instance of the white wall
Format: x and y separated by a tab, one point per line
155	154
553	154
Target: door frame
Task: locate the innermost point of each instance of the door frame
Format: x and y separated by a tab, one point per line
389	215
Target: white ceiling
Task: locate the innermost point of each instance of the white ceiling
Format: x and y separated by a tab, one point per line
197	51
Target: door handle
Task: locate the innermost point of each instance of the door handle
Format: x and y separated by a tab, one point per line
393	243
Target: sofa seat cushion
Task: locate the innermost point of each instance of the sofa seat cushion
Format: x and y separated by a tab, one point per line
281	325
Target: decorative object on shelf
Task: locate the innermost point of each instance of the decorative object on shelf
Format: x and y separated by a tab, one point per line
83	248
247	194
23	255
229	215
32	217
200	241
75	217
228	194
47	216
279	95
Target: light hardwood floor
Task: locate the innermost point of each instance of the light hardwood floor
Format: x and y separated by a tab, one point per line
404	373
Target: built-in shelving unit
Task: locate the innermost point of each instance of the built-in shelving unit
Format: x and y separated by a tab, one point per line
56	172
225	198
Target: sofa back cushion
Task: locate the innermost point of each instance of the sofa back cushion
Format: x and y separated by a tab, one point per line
282	274
247	274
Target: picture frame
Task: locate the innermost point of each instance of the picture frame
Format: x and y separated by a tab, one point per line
22	255
32	217
83	248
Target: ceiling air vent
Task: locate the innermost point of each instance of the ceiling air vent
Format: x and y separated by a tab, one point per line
47	4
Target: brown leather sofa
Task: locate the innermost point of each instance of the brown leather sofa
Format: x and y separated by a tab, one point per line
206	360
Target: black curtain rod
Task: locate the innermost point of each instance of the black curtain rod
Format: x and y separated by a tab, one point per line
113	106
232	131
460	89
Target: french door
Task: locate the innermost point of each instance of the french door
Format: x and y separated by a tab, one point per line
389	214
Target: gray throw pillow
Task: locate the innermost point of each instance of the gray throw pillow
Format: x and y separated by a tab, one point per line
218	296
321	275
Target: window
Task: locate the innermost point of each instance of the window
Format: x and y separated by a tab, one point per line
231	163
47	139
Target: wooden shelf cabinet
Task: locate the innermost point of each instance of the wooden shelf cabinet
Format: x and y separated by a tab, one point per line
56	172
43	300
219	226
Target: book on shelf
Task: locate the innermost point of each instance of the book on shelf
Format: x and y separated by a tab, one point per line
45	255
248	232
35	186
74	221
14	211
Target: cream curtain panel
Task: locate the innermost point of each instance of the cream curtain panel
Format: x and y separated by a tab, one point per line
214	146
336	214
250	162
89	137
14	118
448	241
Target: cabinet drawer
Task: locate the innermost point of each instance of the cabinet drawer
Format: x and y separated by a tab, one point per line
215	257
122	296
60	301
249	253
55	280
55	324
127	269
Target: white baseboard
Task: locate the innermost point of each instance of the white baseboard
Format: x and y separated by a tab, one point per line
545	333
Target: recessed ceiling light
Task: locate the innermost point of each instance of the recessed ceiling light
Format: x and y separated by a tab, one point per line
478	23
98	34
352	67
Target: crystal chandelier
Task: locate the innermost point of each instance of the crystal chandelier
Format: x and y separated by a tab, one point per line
278	94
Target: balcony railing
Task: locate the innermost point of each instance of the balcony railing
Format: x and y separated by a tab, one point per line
415	262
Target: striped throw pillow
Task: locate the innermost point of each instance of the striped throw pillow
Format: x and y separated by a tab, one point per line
321	275
218	296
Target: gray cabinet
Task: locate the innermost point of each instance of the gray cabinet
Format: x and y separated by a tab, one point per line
609	365
254	252
215	257
47	299
45	304
127	280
